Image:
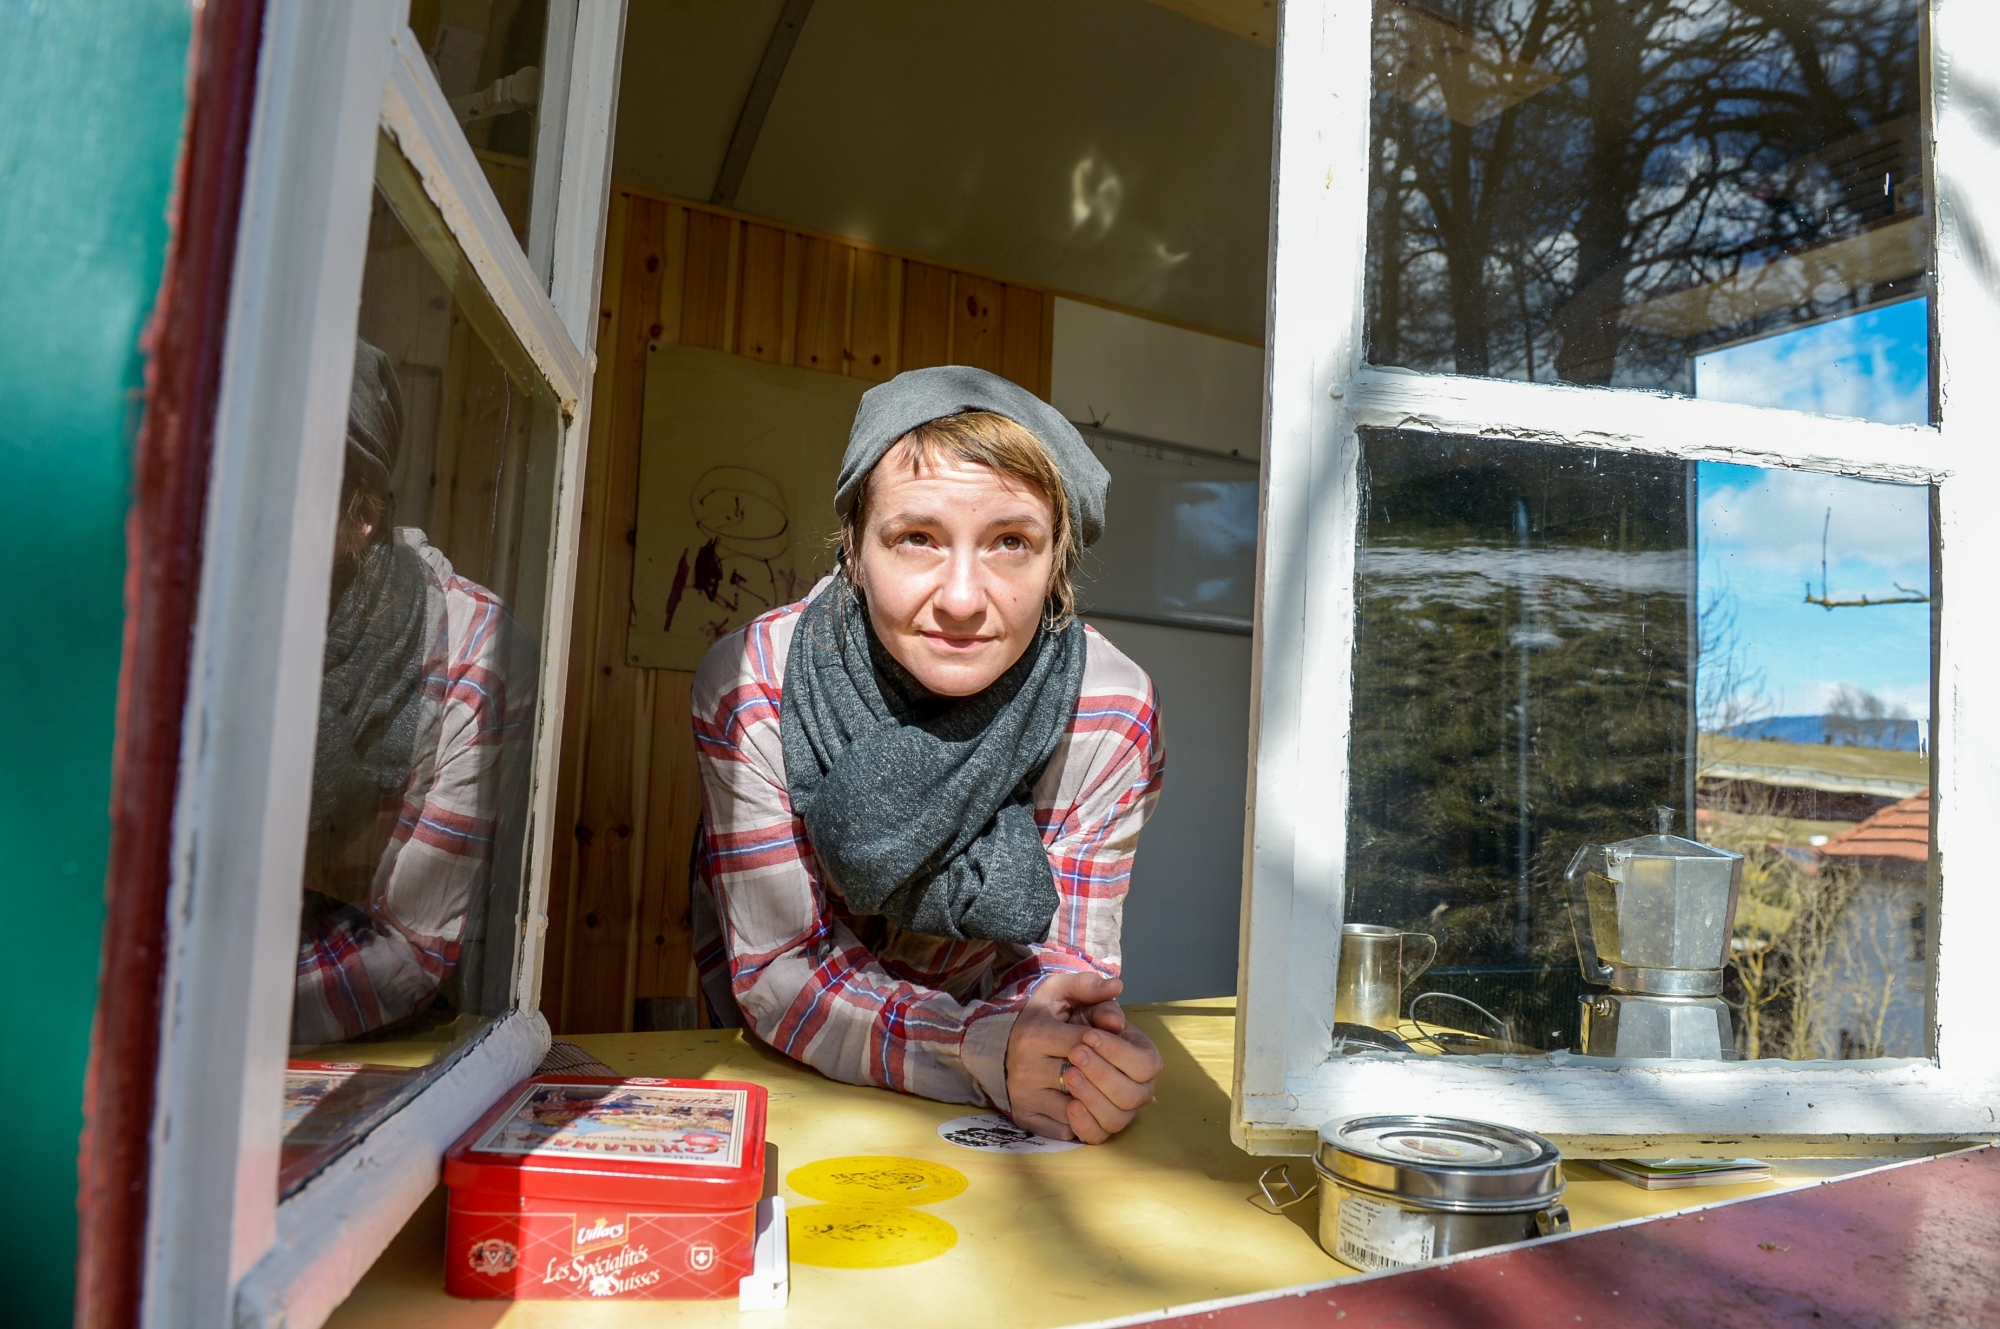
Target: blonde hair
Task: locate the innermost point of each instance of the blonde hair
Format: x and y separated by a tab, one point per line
984	438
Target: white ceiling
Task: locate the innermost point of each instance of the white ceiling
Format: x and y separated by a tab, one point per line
1109	147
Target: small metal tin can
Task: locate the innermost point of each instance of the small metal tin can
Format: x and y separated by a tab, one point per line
1398	1190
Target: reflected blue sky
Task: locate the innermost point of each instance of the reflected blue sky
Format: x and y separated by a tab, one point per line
1873	365
1760	545
1761	530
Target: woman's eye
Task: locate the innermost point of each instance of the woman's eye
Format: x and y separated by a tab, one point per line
1013	543
915	538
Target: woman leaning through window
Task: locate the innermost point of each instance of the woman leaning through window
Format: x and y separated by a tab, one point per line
923	785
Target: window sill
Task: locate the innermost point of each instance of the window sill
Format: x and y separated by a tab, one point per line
332	1230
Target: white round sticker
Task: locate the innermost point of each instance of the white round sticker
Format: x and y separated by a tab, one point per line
994	1134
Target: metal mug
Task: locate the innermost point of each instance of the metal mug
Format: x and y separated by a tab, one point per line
1368	987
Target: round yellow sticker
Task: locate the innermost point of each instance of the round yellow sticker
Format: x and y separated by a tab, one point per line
854	1236
877	1181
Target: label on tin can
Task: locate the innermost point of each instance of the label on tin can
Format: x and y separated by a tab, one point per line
663	1123
1374	1235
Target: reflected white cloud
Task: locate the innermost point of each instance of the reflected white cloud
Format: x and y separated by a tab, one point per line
1874	365
1773	519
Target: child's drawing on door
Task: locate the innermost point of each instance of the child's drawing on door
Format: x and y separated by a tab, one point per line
743	566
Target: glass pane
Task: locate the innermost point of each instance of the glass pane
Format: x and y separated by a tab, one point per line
1601	191
1814	706
1180	546
415	854
503	64
1559	647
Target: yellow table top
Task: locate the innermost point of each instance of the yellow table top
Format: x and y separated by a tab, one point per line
1159	1217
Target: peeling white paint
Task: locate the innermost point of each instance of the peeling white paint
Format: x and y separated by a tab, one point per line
341	1222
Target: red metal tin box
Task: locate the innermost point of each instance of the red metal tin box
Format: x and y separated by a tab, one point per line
581	1186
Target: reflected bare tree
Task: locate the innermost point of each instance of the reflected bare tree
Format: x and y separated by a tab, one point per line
1729	687
1785	981
1594	190
1858	718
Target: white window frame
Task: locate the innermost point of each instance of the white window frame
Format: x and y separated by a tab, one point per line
1320	392
332	78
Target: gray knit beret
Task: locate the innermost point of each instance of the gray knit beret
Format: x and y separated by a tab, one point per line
374	417
918	396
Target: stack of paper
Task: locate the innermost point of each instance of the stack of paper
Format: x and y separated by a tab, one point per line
1661	1174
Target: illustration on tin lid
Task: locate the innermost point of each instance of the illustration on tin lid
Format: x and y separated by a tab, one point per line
667	1124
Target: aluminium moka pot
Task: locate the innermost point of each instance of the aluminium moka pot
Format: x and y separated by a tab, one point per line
1653	918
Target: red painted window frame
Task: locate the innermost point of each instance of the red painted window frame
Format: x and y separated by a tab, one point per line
170	477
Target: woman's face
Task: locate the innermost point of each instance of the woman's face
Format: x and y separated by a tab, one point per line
955	562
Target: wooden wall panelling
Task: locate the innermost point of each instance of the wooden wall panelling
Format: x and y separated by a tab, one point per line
600	927
825	271
705	295
1021	341
875	315
665	941
513	184
760	300
563	867
795	258
662	950
1048	350
927	321
510	503
483	411
847	321
450	418
978	305
673	290
732	281
636	883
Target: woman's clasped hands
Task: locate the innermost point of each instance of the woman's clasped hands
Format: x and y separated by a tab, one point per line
1076	1067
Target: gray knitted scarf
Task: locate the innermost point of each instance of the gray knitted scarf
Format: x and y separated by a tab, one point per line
920	807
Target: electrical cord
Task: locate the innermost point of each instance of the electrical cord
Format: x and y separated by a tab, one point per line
1425	1036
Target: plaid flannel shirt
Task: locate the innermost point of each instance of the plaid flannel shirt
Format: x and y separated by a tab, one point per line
386	957
856	996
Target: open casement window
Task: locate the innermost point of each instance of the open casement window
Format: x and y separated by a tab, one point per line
382	634
1629	427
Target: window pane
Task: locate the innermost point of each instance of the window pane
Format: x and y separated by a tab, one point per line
1181	545
415	856
1600	191
503	64
1555	642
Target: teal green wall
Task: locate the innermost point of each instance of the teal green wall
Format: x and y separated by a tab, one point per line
92	94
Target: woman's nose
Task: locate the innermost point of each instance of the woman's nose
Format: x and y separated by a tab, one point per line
961	596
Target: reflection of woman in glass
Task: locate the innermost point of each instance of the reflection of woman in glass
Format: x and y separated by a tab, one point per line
425	703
